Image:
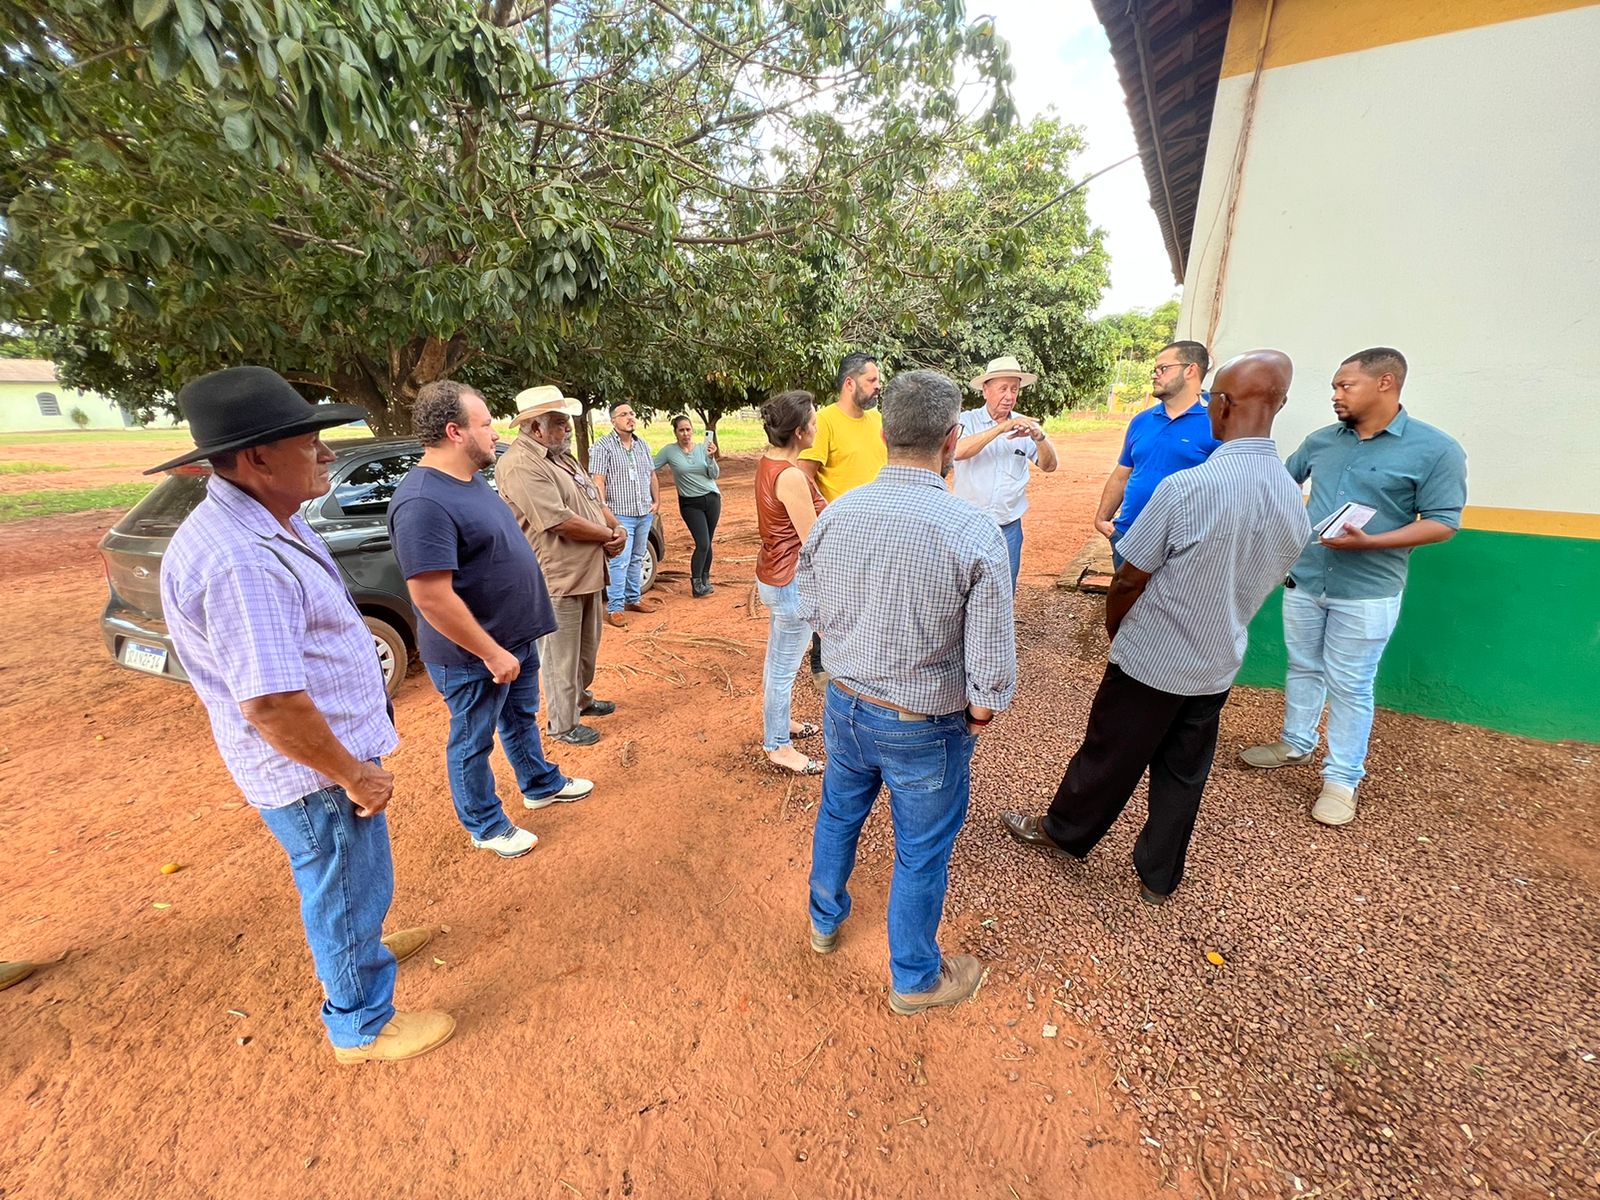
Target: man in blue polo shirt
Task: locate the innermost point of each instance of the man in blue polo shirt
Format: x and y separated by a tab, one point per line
1174	435
1342	598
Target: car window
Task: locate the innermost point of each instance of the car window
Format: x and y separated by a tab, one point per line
367	490
161	512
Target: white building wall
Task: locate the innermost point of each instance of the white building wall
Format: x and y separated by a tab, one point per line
1441	196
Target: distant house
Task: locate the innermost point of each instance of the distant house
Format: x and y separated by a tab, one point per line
31	399
1334	175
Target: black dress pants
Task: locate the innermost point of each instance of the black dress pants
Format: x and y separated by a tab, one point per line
1132	727
701	514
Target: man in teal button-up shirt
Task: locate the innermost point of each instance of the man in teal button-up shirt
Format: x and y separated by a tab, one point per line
1343	596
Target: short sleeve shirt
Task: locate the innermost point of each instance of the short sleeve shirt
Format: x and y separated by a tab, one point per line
1155	446
996	478
695	473
1410	470
627	472
256	612
544	490
1216	539
440	523
851	450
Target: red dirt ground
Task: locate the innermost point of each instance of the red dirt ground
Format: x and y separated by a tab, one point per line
639	1011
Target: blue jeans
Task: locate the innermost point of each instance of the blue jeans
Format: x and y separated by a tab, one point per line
1334	649
627	567
478	706
787	638
1013	536
345	878
927	767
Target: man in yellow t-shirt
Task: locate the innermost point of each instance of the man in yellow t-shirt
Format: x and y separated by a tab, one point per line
848	450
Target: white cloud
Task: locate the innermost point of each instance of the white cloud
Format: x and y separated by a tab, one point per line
1062	60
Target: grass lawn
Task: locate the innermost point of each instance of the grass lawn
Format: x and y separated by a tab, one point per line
29	468
22	506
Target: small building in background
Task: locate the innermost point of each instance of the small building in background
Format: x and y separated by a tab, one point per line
1423	175
31	400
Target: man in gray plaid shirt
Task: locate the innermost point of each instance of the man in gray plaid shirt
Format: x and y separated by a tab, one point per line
910	588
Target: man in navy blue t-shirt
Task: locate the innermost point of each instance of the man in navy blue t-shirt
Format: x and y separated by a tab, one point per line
482	604
1173	435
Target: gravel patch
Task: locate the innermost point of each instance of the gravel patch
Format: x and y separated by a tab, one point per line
1405	1007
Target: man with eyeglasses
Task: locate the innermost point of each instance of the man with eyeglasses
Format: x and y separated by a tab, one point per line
625	473
1172	435
572	533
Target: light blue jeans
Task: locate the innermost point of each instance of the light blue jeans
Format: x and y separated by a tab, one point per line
927	766
1334	649
627	567
1013	536
345	877
787	638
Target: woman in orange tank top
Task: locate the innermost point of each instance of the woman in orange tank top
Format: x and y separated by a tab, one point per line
787	504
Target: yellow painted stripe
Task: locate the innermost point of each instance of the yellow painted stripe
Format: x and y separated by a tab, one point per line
1303	30
1532	520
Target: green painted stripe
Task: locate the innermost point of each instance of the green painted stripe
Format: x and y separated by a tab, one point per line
1497	629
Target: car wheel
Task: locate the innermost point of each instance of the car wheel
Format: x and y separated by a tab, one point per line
647	571
392	654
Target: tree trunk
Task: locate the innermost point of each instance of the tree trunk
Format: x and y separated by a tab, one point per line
388	389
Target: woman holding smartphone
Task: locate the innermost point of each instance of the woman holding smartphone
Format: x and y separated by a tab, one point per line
695	470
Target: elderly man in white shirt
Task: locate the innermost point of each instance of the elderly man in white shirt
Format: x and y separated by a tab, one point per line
997	445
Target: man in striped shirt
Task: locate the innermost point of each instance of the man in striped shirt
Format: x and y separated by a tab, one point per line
625	475
1197	565
923	653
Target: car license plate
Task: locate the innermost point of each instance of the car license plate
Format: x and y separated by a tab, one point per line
144	658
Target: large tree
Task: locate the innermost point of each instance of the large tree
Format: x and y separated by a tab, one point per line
625	196
1016	202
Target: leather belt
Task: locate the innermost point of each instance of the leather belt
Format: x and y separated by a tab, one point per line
904	714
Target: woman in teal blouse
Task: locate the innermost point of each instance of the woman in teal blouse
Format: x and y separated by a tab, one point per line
695	470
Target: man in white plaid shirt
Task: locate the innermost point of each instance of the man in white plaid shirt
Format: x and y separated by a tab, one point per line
625	473
910	588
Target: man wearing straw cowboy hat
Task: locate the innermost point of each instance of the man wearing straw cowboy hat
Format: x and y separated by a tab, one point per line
573	533
997	444
284	665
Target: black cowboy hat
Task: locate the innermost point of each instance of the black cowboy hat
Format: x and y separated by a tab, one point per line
249	406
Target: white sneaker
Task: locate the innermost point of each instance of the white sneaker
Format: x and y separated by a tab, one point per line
575	789
514	843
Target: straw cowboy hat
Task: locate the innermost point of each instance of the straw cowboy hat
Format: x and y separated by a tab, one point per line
249	406
1004	367
536	401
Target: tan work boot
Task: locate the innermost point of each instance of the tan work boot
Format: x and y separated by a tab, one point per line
958	979
1278	754
403	943
406	1036
1336	805
824	943
14	972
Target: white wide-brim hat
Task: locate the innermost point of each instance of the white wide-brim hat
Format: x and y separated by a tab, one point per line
1004	367
536	401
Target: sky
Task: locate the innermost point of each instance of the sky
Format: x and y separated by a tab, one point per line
1062	60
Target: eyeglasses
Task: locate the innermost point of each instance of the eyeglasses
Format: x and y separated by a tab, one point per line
1160	367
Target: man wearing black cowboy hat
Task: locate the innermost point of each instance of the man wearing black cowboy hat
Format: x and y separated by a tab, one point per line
285	667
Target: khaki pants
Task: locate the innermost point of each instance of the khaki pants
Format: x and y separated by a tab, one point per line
567	658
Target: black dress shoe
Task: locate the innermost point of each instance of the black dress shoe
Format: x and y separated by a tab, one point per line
578	735
1150	897
1030	832
597	708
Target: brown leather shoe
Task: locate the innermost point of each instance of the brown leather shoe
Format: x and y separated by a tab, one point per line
403	943
642	607
958	979
406	1036
1030	832
616	620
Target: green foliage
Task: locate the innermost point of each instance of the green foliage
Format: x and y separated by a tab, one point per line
79	418
621	196
1139	334
21	506
1004	204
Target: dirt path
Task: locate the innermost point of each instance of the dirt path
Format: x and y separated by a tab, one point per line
639	1012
